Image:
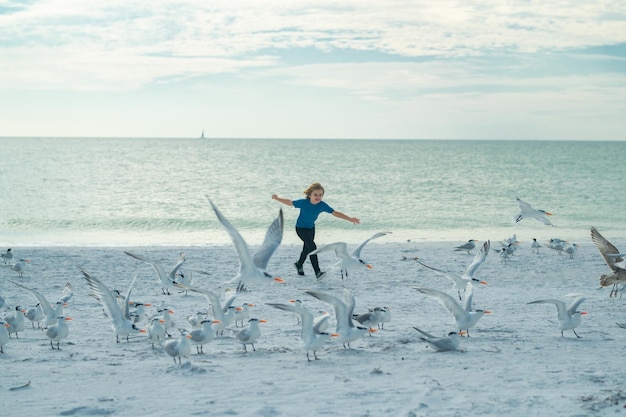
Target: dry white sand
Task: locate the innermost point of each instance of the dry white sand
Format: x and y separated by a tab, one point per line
514	363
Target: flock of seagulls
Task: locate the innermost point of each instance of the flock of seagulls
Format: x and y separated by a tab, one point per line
314	330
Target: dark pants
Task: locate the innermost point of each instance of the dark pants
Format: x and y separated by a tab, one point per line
307	236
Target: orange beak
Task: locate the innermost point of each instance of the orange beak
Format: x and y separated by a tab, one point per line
279	280
262	321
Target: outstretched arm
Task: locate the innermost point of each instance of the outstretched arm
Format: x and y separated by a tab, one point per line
285	201
343	216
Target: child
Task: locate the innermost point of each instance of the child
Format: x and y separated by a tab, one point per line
310	208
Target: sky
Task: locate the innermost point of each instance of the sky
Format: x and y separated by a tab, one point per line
471	69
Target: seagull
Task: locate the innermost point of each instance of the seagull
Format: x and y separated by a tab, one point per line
16	321
535	246
346	260
50	314
527	211
386	317
138	315
440	344
343	316
571	250
58	331
178	348
203	335
312	341
250	334
467	246
611	257
7	257
20	266
4	335
243	314
557	244
253	269
167	280
569	317
465	316
373	317
196	319
156	330
461	282
122	322
35	314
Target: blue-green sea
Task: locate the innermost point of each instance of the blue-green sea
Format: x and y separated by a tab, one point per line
142	191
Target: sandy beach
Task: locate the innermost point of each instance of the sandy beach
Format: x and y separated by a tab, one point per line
515	361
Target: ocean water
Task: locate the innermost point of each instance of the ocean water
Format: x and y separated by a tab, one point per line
141	191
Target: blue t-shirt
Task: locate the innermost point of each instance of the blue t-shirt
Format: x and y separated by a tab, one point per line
309	212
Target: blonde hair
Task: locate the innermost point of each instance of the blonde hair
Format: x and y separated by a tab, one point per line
313	187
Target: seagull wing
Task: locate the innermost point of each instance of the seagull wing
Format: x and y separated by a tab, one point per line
43	302
273	237
448	302
157	266
245	257
357	252
561	308
479	258
340	249
606	249
126	306
102	293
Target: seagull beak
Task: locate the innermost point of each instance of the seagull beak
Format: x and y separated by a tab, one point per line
335	335
216	321
583	312
148	305
250	305
188	336
161	321
483	282
487	311
170	311
369	266
68	319
262	321
548	213
373	330
142	330
279	280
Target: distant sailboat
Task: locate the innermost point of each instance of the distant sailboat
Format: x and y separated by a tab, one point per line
202	135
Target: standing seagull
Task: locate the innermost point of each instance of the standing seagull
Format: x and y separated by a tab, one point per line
440	344
535	245
50	314
569	317
58	331
7	257
465	317
167	280
347	260
254	268
20	266
178	348
343	316
527	211
4	335
122	322
611	257
250	334
461	282
467	246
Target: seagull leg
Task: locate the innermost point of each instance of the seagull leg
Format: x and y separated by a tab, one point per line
576	333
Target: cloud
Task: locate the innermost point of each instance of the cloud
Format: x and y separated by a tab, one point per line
125	45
